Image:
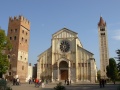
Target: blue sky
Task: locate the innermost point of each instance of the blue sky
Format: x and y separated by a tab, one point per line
81	16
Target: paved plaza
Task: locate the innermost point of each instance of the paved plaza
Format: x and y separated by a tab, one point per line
50	86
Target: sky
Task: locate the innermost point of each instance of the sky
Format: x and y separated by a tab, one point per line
81	16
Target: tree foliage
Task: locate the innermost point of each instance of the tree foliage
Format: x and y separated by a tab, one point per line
4	45
118	59
59	87
98	74
112	71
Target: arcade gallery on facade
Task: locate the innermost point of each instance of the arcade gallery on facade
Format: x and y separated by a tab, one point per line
66	59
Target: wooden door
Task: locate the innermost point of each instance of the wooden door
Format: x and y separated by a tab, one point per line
64	74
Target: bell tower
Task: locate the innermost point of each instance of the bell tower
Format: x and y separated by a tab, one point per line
19	34
103	47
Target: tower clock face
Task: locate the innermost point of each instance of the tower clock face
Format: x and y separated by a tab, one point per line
64	46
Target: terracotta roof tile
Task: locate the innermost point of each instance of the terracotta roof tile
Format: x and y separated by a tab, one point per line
101	22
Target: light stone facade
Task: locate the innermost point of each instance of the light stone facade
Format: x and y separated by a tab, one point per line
66	59
30	72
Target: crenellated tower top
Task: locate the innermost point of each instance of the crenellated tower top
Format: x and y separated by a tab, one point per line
21	20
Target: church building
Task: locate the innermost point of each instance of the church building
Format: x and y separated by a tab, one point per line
66	58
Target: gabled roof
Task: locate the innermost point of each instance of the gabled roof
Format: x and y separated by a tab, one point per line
64	30
44	52
85	50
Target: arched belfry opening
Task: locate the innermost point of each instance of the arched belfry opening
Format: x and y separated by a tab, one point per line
63	65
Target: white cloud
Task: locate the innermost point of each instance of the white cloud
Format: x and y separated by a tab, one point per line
114	24
116	37
116	34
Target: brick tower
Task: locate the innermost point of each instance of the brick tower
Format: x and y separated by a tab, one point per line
103	46
19	34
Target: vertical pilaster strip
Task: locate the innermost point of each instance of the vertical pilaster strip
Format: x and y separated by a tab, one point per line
76	52
58	74
52	57
69	72
58	71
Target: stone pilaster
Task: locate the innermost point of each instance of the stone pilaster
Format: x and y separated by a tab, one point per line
58	74
69	75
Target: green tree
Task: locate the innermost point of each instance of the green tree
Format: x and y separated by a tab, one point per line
4	45
112	71
98	74
118	59
59	87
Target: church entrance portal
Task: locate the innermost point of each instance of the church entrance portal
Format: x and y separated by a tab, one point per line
64	74
63	70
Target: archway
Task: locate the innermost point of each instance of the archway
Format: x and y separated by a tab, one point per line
63	70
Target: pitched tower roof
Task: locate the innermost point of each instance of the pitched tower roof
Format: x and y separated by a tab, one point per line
101	22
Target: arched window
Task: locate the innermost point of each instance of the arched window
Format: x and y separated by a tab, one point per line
9	73
11	30
10	38
21	57
22	67
26	40
8	56
22	38
22	31
15	30
10	67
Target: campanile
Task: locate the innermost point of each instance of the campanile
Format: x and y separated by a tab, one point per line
103	47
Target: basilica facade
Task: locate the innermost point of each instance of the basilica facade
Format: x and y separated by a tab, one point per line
66	59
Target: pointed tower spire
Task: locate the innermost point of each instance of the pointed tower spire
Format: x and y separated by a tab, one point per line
101	22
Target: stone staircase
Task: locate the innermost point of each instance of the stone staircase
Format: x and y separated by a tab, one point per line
79	82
